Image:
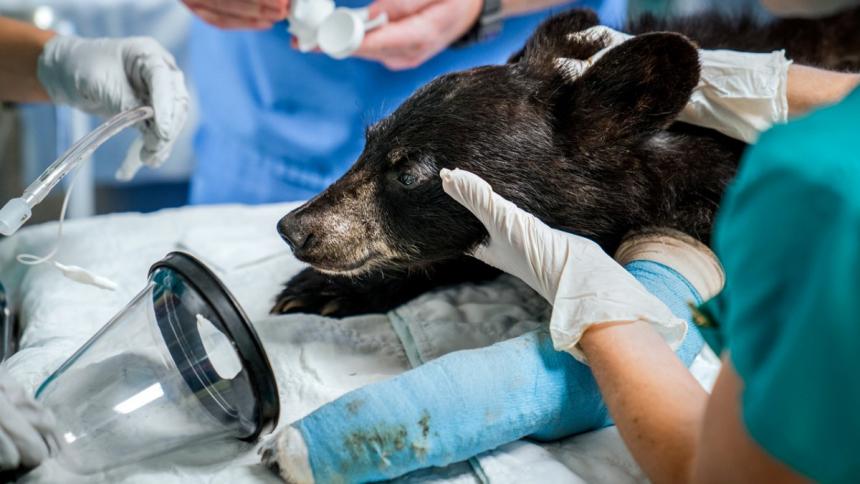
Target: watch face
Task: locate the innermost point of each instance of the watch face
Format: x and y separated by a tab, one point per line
491	12
490	23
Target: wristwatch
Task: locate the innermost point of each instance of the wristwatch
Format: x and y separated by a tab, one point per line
488	25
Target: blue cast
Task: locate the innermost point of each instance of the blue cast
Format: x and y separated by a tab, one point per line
468	402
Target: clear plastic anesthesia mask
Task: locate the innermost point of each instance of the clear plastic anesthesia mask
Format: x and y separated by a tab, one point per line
180	365
338	32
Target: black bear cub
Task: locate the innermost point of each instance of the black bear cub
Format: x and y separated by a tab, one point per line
598	155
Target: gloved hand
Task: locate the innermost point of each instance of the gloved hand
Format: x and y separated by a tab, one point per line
739	94
107	76
27	435
468	402
584	285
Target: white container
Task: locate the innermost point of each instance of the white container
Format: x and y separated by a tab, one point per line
342	32
305	18
338	32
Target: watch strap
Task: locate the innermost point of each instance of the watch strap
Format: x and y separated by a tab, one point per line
488	25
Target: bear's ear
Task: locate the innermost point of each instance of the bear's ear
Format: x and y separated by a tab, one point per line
634	90
550	41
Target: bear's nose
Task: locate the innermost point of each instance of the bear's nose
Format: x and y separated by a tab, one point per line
295	234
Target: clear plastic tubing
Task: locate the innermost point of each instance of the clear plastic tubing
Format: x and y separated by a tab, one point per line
18	210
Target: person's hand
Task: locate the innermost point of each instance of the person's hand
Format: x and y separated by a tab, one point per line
739	94
585	286
108	76
417	30
27	435
609	37
240	14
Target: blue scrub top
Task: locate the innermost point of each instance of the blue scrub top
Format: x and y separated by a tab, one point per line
279	125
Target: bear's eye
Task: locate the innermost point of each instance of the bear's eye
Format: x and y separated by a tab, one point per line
406	179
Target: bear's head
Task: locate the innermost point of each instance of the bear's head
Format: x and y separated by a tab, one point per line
552	144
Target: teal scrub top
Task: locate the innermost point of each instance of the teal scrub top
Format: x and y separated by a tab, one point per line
788	234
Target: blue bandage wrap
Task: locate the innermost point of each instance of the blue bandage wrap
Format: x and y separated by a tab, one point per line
468	402
677	294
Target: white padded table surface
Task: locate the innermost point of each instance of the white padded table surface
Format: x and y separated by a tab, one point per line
315	359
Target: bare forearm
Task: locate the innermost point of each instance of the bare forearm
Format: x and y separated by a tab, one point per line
656	403
518	7
20	47
809	88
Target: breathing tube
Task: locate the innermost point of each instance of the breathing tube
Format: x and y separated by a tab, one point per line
18	210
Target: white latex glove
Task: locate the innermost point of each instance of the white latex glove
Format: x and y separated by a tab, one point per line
107	76
739	94
584	285
27	435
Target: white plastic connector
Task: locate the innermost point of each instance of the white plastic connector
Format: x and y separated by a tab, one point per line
13	215
338	32
79	274
342	32
305	18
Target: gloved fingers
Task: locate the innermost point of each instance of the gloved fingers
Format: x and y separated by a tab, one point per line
471	192
154	151
131	164
9	387
170	103
10	458
87	74
159	83
39	417
740	94
499	216
598	290
154	159
609	36
28	442
100	78
520	244
572	68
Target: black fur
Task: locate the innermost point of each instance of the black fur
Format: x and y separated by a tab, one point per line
597	156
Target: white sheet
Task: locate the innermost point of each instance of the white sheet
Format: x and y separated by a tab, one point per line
315	359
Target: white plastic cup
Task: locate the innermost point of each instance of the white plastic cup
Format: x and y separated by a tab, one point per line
342	32
305	18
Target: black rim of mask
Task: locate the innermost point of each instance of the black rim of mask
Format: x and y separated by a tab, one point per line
234	324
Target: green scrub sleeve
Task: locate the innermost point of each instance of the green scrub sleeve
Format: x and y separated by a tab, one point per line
788	235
